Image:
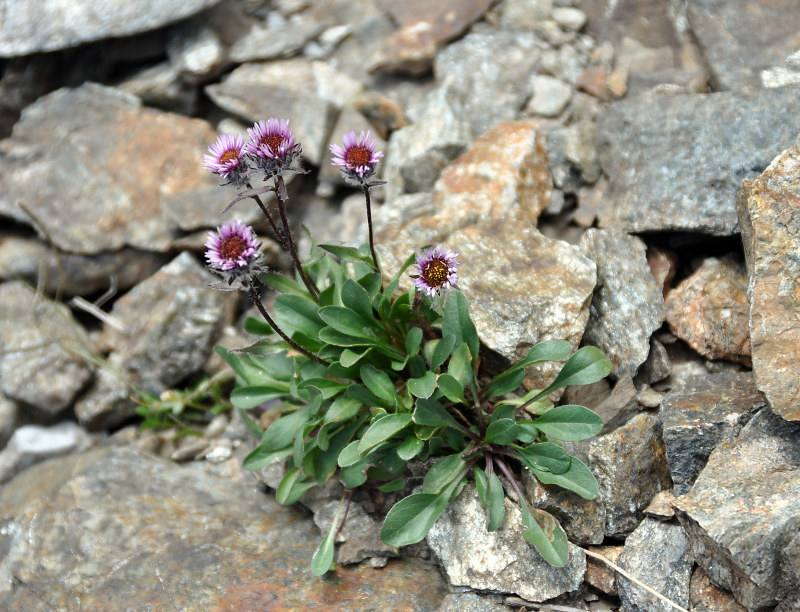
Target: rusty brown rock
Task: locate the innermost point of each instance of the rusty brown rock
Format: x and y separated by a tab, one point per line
663	264
598	574
767	210
424	27
704	596
709	311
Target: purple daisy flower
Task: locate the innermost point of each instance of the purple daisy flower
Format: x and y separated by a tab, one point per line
226	156
436	269
358	158
233	251
272	145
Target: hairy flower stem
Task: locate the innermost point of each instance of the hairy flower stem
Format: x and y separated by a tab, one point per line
513	480
344	518
272	223
280	194
257	302
365	189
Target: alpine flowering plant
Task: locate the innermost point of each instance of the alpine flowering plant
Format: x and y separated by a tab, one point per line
363	377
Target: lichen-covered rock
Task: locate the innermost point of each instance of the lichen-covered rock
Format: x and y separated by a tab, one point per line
628	305
767	210
499	560
743	508
710	311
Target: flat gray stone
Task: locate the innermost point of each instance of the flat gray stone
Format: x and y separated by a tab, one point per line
499	560
676	162
40	362
700	415
627	306
659	555
744	507
48	25
117	529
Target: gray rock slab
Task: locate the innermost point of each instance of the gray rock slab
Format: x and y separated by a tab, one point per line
42	361
32	443
470	602
767	210
488	90
744	508
631	467
676	162
572	156
287	89
500	560
48	25
627	306
71	274
359	538
700	415
741	40
117	529
659	555
97	171
281	40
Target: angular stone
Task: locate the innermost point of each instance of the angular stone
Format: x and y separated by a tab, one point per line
469	602
71	274
57	24
108	401
359	539
274	40
550	96
283	88
658	554
706	411
619	407
572	156
661	506
488	90
598	574
790	575
126	165
631	467
117	529
41	363
657	367
704	596
743	508
676	162
650	40
628	306
499	560
710	311
162	87
739	39
767	210
424	27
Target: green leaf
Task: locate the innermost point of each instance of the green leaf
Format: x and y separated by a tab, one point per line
495	498
456	321
353	476
460	367
546	457
549	350
430	412
349	358
501	431
346	253
257	327
422	387
452	388
347	322
394	485
327	387
504	383
409	448
282	431
291	487
443	473
260	458
322	561
350	455
296	313
546	535
443	349
503	412
326	461
569	422
410	519
355	297
371	283
586	366
337	338
413	340
383	301
342	409
285	285
255	395
378	383
578	479
382	429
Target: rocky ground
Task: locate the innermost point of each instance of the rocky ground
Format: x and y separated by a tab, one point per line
622	174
